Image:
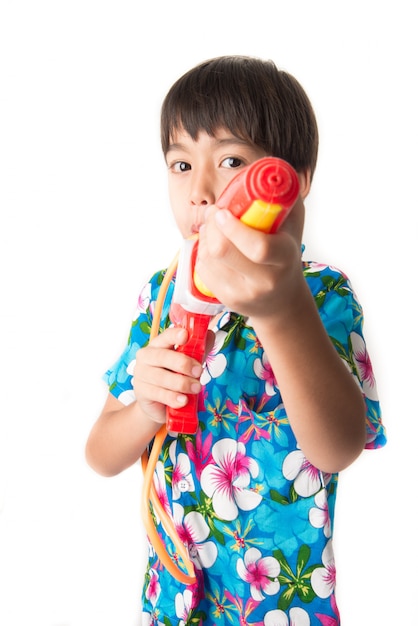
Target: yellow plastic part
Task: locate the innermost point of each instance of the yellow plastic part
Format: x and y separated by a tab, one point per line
261	215
199	284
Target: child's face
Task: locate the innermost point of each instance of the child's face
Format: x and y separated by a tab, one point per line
198	172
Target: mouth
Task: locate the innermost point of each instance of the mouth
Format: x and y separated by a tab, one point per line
198	218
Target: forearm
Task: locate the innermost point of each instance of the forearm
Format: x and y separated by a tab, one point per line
119	437
323	402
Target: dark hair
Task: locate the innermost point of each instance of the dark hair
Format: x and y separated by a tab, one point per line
250	97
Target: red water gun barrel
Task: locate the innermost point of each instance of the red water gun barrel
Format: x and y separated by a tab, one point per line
271	183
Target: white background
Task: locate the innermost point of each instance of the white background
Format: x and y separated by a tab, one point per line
85	220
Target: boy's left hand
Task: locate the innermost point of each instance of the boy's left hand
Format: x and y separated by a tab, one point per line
251	272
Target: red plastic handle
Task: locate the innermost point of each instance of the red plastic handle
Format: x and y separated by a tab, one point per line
184	420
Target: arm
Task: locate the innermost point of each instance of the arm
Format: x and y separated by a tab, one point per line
162	377
119	437
264	280
324	404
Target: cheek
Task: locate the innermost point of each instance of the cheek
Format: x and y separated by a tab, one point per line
175	208
296	218
181	221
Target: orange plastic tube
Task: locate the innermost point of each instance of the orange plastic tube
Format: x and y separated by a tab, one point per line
148	462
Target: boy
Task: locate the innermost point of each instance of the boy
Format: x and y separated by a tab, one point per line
287	396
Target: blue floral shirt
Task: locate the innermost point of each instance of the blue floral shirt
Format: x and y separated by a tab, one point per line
256	516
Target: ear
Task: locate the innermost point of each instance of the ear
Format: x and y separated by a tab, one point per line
304	182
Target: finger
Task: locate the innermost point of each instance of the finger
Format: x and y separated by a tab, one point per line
155	385
226	239
169	388
169	338
151	362
221	258
251	242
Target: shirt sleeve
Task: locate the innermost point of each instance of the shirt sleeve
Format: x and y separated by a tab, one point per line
119	376
342	316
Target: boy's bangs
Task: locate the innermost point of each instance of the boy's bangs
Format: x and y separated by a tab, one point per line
194	118
206	107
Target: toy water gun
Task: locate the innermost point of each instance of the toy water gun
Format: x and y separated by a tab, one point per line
261	195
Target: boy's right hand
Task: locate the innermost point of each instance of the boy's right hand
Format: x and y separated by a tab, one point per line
162	376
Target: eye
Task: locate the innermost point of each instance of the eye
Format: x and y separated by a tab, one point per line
232	162
180	166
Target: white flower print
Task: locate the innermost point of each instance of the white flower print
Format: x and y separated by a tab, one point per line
306	477
319	514
215	361
127	397
226	480
297	617
264	371
258	571
182	479
193	531
364	366
130	367
323	578
183	603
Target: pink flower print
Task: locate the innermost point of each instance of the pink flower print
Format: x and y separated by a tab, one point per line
160	486
258	572
245	415
226	480
306	477
244	611
193	531
364	366
199	451
329	620
319	514
183	604
143	300
215	361
182	480
264	371
297	617
323	578
153	590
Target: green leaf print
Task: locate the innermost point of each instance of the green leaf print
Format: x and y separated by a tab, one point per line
233	332
205	508
278	497
330	284
298	583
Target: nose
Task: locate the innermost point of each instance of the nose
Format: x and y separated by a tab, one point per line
201	189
